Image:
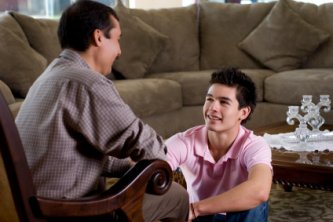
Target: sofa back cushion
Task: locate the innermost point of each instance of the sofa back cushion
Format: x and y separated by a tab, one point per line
321	17
180	25
222	27
20	65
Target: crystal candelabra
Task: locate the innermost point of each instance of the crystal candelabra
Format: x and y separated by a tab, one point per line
302	132
311	116
314	119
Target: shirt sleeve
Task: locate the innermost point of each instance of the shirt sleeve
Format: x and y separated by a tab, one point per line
257	151
115	167
109	125
177	151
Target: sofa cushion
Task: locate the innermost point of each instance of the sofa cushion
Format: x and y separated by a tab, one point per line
195	84
284	40
140	44
149	97
20	64
41	34
181	26
289	86
222	27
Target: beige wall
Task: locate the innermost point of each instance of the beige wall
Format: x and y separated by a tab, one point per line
153	4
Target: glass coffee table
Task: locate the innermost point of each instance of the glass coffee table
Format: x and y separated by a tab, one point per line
318	174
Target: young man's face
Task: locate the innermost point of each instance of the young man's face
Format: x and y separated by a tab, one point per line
221	111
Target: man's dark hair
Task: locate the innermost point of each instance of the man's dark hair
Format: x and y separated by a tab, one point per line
79	21
246	90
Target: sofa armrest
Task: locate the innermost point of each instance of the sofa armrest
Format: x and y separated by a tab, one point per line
15	107
7	93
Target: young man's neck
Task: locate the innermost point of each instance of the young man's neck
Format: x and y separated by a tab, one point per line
219	143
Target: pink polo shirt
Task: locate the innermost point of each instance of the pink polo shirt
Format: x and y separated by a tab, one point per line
204	176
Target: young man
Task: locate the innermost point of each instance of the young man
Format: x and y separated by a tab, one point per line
226	167
73	123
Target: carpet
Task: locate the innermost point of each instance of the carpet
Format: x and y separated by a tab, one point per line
303	205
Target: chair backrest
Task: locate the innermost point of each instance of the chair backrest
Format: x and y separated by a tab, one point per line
123	200
16	166
7	207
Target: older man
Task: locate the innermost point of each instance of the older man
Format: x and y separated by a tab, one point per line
73	123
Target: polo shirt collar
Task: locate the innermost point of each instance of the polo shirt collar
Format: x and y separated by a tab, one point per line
201	147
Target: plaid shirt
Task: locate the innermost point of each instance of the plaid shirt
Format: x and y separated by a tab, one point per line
74	125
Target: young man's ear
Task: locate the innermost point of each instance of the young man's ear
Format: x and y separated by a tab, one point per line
245	112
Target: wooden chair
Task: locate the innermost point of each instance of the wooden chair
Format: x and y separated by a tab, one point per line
122	202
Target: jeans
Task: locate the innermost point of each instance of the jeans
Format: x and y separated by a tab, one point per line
257	214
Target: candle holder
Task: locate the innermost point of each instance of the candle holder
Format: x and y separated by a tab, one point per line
311	117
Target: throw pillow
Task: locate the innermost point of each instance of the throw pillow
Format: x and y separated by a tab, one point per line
283	40
20	65
140	44
41	34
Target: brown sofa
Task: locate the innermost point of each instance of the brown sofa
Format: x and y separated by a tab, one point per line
169	54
